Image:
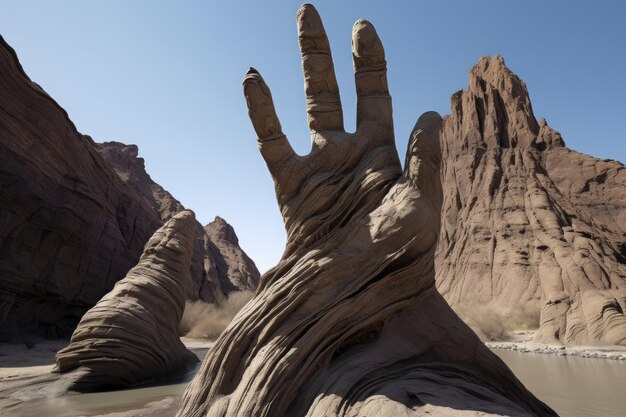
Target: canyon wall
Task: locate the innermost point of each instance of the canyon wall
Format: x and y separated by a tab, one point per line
526	222
75	215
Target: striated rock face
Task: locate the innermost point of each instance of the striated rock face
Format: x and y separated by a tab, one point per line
234	268
69	229
219	265
130	336
526	222
74	215
349	323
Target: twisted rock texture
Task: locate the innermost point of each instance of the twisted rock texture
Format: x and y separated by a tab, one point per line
528	223
349	323
75	215
131	335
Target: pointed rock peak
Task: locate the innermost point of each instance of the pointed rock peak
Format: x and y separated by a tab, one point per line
219	229
495	111
492	73
219	220
491	77
547	137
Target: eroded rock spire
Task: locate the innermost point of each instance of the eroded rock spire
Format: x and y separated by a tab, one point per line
130	336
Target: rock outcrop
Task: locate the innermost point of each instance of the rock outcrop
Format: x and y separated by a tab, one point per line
527	223
130	336
349	323
235	269
74	215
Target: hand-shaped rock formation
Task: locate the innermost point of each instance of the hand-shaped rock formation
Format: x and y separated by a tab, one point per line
130	336
74	215
349	323
528	223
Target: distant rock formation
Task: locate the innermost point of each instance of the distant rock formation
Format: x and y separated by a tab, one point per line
74	215
236	271
528	223
219	264
130	336
349	323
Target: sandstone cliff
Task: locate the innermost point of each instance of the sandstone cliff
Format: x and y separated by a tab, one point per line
526	222
74	215
131	335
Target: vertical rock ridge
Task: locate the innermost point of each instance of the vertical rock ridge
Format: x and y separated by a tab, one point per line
235	269
528	223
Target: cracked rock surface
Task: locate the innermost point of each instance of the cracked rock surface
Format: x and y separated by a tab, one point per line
526	222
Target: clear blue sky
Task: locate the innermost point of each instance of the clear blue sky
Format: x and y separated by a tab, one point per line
166	75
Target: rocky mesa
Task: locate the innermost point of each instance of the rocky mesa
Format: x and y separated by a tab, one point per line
526	222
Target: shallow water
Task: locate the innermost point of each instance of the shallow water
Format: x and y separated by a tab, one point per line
572	386
151	401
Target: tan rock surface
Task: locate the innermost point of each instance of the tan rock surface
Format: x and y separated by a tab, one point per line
527	223
349	323
130	336
74	215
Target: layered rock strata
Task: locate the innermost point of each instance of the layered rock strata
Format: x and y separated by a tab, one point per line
130	336
349	323
234	267
74	215
529	224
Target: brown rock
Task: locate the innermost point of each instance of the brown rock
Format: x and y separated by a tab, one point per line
219	266
236	271
130	336
74	215
349	323
528	223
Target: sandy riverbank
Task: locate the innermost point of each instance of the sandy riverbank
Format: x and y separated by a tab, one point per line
522	341
20	367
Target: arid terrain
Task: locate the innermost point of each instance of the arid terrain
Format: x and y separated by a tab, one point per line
481	271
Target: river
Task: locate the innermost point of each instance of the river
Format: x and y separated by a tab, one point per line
572	386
